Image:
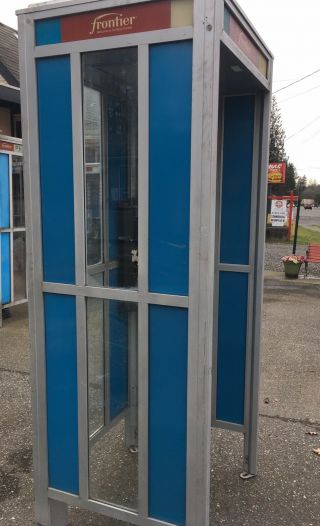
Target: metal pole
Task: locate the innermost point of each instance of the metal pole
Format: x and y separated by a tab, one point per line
269	201
296	227
0	281
290	215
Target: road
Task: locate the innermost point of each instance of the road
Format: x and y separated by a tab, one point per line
310	218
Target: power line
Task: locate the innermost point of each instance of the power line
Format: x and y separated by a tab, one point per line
296	81
304	128
299	94
283	80
311	136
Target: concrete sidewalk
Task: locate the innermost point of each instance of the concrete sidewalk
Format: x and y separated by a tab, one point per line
287	489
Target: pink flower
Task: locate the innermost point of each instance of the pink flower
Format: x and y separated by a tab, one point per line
292	258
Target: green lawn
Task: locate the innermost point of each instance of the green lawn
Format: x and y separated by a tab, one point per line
306	236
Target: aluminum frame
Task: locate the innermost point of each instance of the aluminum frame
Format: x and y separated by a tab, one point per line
207	34
253	394
251	351
255	284
43	511
208	24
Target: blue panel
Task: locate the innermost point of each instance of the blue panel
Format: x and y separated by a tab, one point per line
232	337
117	173
169	170
48	31
227	20
5	269
56	169
237	177
62	401
118	348
168	352
4	191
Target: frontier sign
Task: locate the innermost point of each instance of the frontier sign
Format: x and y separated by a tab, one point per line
135	18
111	21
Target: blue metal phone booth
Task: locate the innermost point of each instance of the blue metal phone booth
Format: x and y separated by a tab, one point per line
146	136
12	225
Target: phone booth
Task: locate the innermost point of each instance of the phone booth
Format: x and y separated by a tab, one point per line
145	127
13	289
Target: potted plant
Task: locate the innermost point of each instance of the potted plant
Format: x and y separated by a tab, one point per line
292	265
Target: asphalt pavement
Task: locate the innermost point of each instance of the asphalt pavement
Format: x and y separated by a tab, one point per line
310	218
287	488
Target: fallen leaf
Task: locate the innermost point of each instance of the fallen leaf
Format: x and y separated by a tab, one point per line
317	451
312	433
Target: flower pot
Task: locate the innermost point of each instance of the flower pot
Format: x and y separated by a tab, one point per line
291	269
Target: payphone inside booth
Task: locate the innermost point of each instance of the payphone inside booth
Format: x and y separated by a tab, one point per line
146	132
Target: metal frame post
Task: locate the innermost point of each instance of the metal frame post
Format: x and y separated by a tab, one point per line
251	433
256	264
43	512
208	24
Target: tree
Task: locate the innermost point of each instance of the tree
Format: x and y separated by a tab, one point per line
291	177
277	152
290	184
312	191
302	184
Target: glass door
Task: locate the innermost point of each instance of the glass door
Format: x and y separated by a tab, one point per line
110	109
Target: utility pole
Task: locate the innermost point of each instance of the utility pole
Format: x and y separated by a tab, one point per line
296	227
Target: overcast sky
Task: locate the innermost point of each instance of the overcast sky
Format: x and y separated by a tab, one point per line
290	28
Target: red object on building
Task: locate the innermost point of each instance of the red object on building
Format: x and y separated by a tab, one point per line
7	146
122	20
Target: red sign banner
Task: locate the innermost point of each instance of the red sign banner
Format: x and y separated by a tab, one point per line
245	43
277	173
135	18
7	146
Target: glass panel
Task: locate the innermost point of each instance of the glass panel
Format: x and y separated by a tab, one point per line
96	366
96	280
110	104
93	175
5	268
4	191
113	414
18	191
19	265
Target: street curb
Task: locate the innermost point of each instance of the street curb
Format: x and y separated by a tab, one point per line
278	280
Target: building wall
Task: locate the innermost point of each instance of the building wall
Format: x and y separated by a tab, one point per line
5	121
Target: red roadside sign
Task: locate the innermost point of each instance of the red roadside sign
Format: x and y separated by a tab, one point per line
277	173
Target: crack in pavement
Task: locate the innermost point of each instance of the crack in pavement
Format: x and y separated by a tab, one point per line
14	371
304	422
